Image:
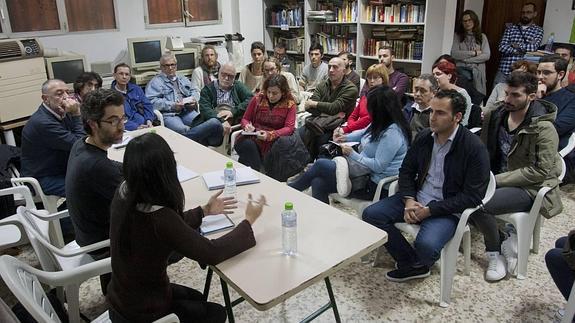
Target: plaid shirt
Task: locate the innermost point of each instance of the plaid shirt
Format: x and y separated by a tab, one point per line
529	39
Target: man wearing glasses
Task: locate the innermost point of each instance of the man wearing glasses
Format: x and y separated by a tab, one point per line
177	99
92	178
224	100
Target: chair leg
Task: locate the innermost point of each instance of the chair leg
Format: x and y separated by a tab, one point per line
448	262
466	244
537	234
73	301
523	244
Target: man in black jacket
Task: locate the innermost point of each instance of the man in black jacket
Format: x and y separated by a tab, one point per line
445	171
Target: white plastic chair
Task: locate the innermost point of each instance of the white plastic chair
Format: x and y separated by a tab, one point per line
570	146
159	116
222	149
360	205
25	282
528	227
12	232
234	136
570	308
50	203
70	257
449	253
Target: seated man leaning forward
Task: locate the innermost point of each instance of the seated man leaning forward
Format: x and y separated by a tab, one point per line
49	136
445	171
176	98
225	100
332	98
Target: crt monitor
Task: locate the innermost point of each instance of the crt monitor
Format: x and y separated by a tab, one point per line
66	68
145	52
187	60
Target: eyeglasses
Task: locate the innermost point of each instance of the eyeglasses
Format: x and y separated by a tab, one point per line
115	122
546	72
170	65
228	76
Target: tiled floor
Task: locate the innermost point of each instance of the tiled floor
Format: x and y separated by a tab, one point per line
364	295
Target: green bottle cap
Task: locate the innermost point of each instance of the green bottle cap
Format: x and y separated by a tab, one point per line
153	131
229	165
288	206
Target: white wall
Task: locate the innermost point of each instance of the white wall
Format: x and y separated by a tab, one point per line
105	46
476	6
558	19
251	24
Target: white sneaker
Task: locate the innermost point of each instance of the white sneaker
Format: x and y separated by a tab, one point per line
509	251
496	268
342	176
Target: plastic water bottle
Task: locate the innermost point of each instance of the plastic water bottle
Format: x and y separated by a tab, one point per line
230	180
549	45
289	230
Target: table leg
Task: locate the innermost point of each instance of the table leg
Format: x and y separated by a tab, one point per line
208	283
332	300
227	301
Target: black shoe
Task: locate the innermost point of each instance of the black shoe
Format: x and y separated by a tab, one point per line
407	273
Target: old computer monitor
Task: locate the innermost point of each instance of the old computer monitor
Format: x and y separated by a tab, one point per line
66	68
187	60
145	52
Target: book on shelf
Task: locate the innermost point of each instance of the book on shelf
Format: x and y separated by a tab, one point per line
344	11
283	15
395	13
293	41
404	49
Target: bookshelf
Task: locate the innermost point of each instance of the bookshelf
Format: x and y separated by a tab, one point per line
418	30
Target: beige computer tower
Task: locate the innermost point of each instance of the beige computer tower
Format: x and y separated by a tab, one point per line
20	87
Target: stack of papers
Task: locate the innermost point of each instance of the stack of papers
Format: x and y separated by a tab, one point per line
185	174
244	176
215	223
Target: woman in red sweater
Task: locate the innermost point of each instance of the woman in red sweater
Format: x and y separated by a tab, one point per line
270	115
148	223
376	75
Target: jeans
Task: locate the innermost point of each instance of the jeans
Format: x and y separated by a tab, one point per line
53	185
249	154
321	177
208	133
505	200
562	274
435	231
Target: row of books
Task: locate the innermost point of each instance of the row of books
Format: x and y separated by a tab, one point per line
404	49
396	32
339	30
395	13
281	15
346	11
334	44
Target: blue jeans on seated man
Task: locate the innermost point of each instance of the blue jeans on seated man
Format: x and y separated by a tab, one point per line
435	232
208	133
321	177
562	274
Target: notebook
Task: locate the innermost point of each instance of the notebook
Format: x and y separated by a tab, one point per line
215	223
244	176
349	143
185	174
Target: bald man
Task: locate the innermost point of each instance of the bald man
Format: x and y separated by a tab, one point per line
225	98
334	97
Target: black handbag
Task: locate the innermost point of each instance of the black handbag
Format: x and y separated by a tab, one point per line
329	151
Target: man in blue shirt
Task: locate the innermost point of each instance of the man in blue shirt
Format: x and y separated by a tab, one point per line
445	171
137	107
48	137
517	40
177	99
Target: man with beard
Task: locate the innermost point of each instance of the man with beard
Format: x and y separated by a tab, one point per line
350	74
522	144
517	40
92	178
398	81
287	63
551	70
207	72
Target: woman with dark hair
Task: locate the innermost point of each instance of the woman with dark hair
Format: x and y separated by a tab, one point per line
148	223
252	75
446	75
383	146
271	115
471	49
86	83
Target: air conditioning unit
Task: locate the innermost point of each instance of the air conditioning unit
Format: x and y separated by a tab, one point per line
15	49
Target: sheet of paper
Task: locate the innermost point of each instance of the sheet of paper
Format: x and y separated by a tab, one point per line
249	133
349	143
185	174
215	223
244	176
125	140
